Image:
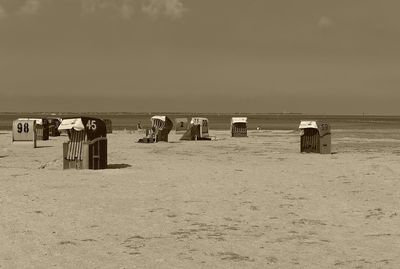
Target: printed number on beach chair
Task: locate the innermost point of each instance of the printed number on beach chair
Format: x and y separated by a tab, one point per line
91	125
24	131
23	128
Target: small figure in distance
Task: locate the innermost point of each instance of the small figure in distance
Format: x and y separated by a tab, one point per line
258	128
139	125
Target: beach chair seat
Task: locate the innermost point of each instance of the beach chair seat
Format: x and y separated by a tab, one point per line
310	140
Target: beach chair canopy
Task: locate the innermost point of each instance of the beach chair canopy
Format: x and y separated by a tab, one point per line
38	121
54	119
162	123
199	121
322	127
93	127
54	122
238	120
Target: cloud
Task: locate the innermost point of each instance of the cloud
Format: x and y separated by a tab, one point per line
127	9
30	7
325	22
170	8
124	8
3	13
91	6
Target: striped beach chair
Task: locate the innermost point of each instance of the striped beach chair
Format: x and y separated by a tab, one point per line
87	145
162	125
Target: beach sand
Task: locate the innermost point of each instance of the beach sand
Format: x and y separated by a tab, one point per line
251	202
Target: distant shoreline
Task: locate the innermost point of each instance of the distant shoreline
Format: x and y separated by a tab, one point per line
52	113
221	121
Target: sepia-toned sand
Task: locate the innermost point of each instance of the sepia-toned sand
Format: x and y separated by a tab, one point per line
251	202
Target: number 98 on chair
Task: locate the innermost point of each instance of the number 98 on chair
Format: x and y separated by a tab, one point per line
87	145
24	131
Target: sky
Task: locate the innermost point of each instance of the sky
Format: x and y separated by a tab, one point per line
255	56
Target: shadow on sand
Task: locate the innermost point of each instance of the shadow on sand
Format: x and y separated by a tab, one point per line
118	166
38	147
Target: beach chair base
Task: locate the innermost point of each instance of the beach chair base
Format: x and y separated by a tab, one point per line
146	140
243	134
76	164
94	156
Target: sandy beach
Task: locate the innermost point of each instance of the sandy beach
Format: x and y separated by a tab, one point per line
251	202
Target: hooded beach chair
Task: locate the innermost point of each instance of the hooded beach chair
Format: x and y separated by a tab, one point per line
160	128
198	130
315	136
181	125
239	127
53	126
163	125
108	123
42	127
87	145
24	132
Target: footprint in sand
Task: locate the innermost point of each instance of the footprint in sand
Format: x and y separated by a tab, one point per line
375	213
271	260
231	256
67	242
134	243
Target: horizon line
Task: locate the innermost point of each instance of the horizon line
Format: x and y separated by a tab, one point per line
201	113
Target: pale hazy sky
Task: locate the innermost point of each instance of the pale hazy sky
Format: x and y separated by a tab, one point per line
310	56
